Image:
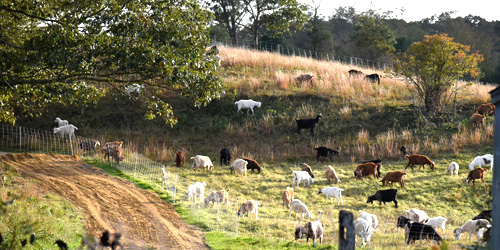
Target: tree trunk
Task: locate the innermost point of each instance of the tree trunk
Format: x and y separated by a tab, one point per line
432	101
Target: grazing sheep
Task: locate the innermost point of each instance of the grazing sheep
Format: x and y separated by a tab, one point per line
331	174
326	152
217	196
251	206
363	229
180	158
477	120
302	176
307	168
384	196
485	109
253	165
196	190
287	196
486	159
304	78
418	231
416	159
202	161
437	222
471	227
90	145
66	130
299	207
477	173
366	169
370	218
486	214
452	169
307	124
239	165
247	104
61	122
375	78
332	191
394	176
417	215
225	156
355	73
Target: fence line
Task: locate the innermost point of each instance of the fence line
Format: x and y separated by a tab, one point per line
271	224
290	51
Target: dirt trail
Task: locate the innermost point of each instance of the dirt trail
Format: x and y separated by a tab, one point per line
109	203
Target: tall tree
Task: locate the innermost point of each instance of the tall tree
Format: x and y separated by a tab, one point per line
433	65
276	15
229	13
53	52
373	37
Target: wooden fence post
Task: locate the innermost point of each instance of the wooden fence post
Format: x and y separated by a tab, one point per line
346	230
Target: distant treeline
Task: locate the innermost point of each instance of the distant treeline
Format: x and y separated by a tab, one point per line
334	36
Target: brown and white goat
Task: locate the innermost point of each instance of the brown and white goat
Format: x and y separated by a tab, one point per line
366	169
395	176
217	196
331	174
416	159
287	196
307	168
251	206
477	173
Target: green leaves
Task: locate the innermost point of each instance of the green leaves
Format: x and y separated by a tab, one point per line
375	38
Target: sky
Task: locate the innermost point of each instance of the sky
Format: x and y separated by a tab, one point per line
414	10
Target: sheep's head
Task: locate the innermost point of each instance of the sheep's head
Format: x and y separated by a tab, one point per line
457	233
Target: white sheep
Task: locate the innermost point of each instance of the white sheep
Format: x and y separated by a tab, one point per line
302	176
332	191
452	169
239	165
202	161
299	207
437	222
363	229
247	104
61	122
370	218
66	130
486	159
417	215
196	190
471	227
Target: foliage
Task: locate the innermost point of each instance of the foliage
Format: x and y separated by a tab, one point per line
433	65
52	50
229	14
372	36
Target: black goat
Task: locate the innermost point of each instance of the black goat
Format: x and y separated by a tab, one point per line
373	78
419	231
486	214
62	245
225	156
384	196
307	124
326	152
404	151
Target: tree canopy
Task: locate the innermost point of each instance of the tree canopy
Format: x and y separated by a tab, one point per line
434	64
56	51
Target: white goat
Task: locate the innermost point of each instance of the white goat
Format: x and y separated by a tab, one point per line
370	218
299	207
332	191
240	165
452	169
302	176
486	159
437	222
61	122
471	227
202	161
417	215
196	190
247	104
363	229
134	88
66	130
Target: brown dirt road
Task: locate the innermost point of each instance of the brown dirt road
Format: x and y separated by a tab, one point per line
109	203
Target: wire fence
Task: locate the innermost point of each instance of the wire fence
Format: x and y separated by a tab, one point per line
273	221
291	51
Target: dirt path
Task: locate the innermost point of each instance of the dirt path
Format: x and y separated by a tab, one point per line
109	203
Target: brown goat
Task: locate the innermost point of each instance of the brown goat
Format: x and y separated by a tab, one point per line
116	153
366	169
477	120
179	159
395	176
477	173
485	109
331	174
287	196
416	159
307	168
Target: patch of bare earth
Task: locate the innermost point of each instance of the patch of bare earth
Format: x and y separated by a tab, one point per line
109	203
